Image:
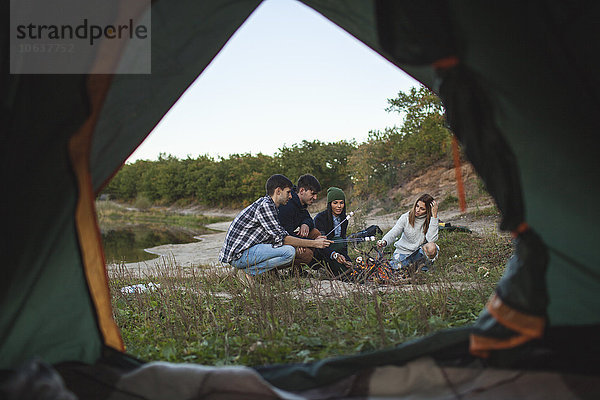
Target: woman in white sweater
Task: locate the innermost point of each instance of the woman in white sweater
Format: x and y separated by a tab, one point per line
417	230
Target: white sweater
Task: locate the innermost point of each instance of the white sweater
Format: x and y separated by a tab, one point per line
411	237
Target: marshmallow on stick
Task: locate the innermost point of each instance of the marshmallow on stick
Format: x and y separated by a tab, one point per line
355	240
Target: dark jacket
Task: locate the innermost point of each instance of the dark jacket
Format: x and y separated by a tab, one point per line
293	214
324	223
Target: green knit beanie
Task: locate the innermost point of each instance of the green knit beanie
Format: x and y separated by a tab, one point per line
334	193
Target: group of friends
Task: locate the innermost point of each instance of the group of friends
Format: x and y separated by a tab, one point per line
277	231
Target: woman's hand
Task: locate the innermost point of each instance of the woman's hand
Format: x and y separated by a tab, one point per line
341	259
434	208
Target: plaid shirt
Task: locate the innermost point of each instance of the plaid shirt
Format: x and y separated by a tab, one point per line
257	223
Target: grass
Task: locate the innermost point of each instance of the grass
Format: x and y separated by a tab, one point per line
217	317
111	214
482	212
448	202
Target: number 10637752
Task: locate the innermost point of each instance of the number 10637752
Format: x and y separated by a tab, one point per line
45	48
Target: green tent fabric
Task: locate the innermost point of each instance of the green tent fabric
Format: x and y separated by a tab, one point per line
521	87
46	307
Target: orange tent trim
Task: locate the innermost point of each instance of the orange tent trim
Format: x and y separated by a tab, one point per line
88	232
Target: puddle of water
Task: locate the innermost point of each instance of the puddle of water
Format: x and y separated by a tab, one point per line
127	244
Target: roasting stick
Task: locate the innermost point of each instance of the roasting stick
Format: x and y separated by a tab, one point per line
355	240
341	222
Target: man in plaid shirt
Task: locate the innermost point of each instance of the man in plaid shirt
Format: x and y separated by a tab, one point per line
256	242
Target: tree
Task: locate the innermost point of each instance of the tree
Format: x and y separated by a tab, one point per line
170	180
125	184
328	162
395	154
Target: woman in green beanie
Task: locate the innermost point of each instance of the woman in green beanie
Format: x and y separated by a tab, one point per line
335	257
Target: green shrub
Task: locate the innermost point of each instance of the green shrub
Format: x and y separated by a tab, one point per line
142	203
447	202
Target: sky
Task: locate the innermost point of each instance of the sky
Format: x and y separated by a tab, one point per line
288	74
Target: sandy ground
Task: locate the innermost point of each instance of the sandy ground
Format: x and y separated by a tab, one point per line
205	251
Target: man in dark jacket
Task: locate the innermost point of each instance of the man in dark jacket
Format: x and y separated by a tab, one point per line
295	218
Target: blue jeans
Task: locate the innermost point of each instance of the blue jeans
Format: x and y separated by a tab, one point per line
264	257
400	260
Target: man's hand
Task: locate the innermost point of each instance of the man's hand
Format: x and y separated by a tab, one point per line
321	242
304	229
301	250
381	243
